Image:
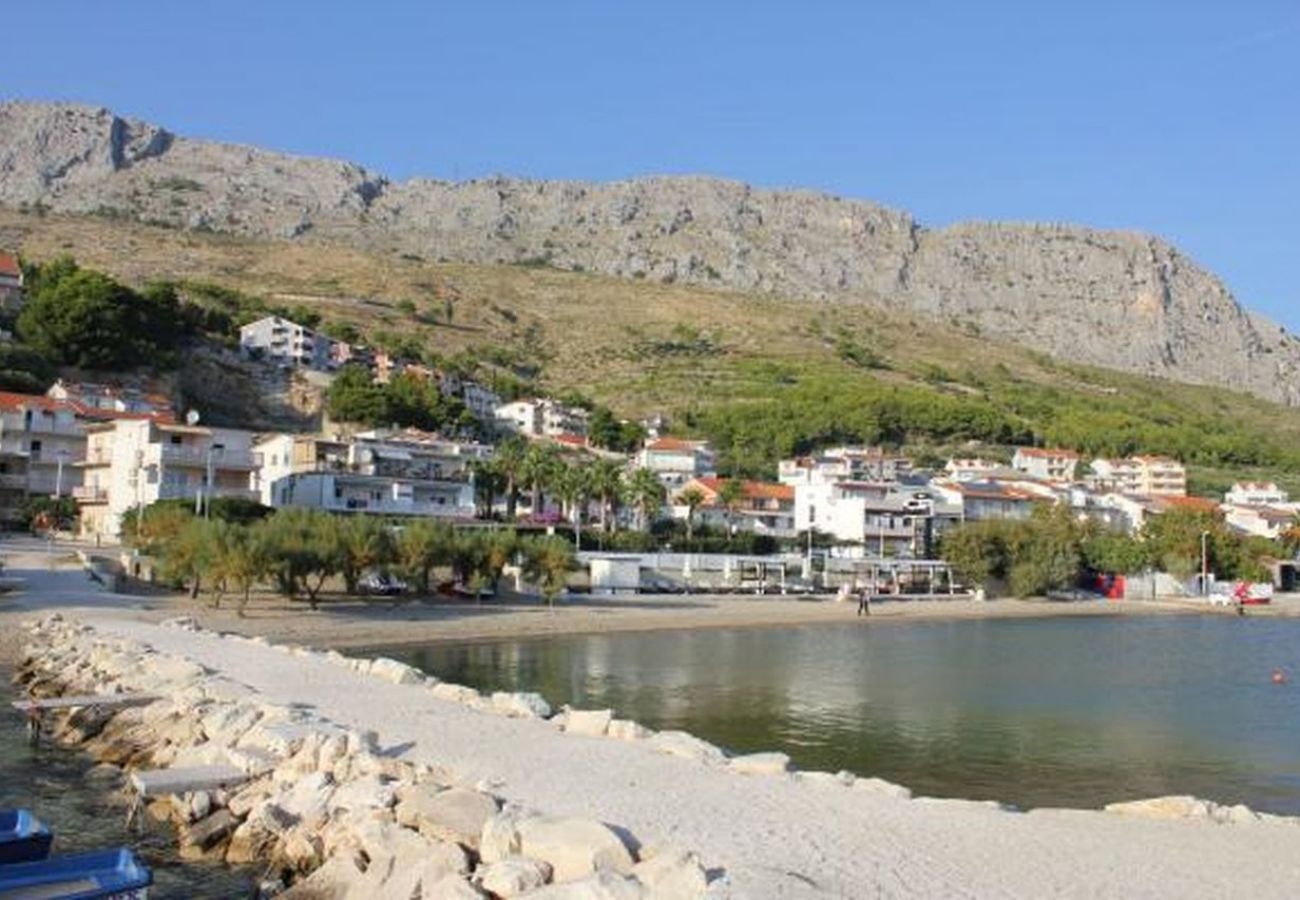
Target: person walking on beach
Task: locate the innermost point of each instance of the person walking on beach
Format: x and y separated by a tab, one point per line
864	602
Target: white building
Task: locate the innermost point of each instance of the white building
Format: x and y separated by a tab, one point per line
844	464
93	398
40	442
885	519
136	462
1147	476
970	469
540	418
1047	465
763	507
676	461
983	500
482	402
408	473
1255	493
286	343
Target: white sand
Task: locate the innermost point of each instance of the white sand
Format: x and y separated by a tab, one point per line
773	835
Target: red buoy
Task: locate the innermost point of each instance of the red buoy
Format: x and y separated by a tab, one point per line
1279	677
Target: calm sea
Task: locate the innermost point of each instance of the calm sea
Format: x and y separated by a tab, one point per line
1047	712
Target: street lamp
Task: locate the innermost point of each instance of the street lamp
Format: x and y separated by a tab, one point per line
213	451
1205	563
60	457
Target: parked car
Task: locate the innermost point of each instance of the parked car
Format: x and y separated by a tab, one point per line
381	584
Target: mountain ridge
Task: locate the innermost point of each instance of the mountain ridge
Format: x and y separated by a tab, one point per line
1118	299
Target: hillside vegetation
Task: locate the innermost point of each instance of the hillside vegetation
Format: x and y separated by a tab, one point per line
762	377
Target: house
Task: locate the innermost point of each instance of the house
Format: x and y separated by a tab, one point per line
763	508
983	500
11	283
479	400
1255	493
399	473
1147	476
1261	521
41	439
844	464
883	518
133	462
970	469
287	344
110	400
676	460
1046	465
540	418
1133	511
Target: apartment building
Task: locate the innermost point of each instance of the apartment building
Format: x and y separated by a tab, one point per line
838	464
1256	493
881	518
404	473
1147	476
1046	465
981	500
970	469
764	507
277	340
40	442
135	462
676	460
540	418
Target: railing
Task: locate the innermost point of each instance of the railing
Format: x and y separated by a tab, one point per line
9	480
89	494
199	456
97	457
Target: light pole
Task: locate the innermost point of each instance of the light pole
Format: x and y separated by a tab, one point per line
1205	563
213	451
59	456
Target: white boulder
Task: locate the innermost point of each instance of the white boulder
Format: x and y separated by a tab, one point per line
590	722
574	848
521	705
760	764
512	876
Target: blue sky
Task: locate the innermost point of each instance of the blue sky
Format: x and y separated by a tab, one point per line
1179	118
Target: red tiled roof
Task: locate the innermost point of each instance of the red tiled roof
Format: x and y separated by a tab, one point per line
570	440
14	402
1199	504
9	265
754	490
672	443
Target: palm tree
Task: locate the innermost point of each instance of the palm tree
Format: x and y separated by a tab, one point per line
692	498
573	489
730	494
607	487
508	460
646	492
488	482
538	472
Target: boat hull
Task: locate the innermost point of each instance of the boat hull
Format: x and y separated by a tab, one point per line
98	875
23	837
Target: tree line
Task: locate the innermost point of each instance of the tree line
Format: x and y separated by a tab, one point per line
1054	550
299	552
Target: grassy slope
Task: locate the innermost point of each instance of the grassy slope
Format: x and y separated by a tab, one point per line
622	342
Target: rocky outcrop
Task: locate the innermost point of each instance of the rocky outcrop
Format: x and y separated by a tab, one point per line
1115	299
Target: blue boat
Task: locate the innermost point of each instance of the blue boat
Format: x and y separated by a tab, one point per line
23	837
97	875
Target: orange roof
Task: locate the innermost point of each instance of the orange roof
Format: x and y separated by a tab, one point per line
672	443
13	402
754	490
570	440
9	265
1198	504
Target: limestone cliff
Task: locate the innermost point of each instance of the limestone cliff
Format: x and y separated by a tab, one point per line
1116	299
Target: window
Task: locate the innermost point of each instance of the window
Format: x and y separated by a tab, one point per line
36	449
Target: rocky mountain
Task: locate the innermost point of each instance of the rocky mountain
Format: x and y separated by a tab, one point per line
1116	299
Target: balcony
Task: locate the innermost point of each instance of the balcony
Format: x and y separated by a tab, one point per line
90	494
222	460
13	481
99	456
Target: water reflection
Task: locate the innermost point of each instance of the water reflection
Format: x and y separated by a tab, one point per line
1036	713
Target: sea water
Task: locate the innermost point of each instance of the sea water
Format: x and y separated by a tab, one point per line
1074	712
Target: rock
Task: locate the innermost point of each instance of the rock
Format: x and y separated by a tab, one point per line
521	705
1172	807
453	887
627	730
368	792
200	804
454	814
500	836
882	787
512	876
301	849
455	693
225	723
280	739
573	847
590	722
827	779
760	764
210	831
603	885
396	672
687	746
672	874
340	878
308	799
